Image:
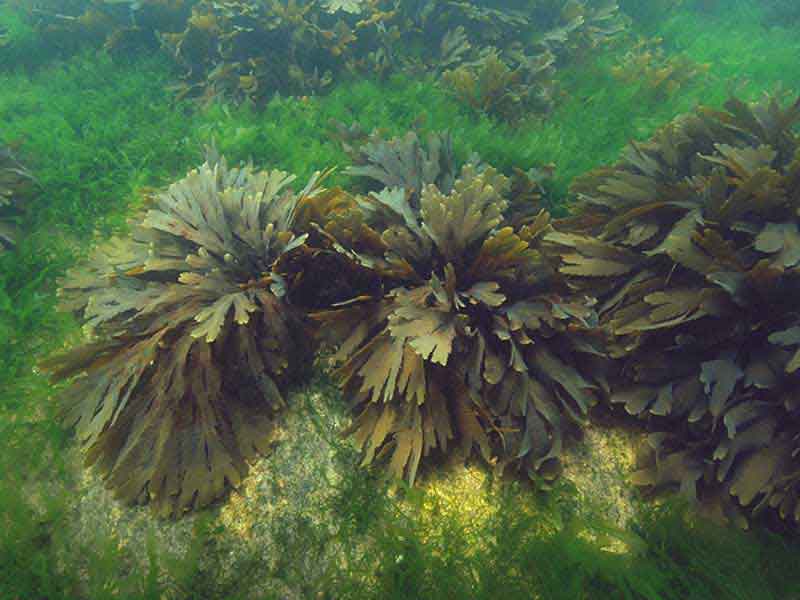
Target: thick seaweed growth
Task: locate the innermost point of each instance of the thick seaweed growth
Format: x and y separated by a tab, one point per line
498	61
121	27
471	342
693	240
195	339
95	130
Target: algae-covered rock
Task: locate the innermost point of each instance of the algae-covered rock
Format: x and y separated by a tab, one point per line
277	521
307	518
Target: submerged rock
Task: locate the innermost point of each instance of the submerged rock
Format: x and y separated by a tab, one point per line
282	532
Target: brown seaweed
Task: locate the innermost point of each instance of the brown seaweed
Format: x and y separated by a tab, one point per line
647	66
492	87
407	162
470	346
122	27
693	240
193	339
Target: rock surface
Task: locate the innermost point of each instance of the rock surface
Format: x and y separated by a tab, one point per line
276	535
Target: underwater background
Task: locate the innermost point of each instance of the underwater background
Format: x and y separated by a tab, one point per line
618	485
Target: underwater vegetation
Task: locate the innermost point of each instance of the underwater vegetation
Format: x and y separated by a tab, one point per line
414	160
498	60
668	291
120	26
15	183
252	50
501	60
522	554
647	65
493	88
469	343
537	551
168	401
690	243
193	339
783	13
406	162
100	134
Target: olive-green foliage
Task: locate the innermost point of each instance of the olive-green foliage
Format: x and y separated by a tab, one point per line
491	87
406	162
471	341
655	72
80	131
18	44
598	117
13	178
241	49
123	27
77	126
695	229
171	402
38	561
92	132
527	545
764	55
250	50
15	181
546	553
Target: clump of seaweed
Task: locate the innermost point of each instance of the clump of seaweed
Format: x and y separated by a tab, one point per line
251	50
567	28
469	344
694	253
647	66
15	181
414	161
572	29
121	26
492	87
463	27
193	338
501	60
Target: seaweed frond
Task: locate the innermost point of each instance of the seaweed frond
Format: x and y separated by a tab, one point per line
491	86
406	162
